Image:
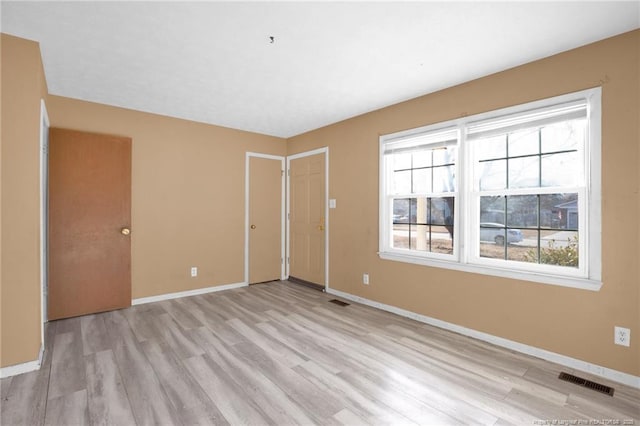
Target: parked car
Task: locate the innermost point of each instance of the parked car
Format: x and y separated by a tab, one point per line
495	232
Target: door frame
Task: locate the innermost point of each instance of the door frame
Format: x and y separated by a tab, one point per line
44	216
325	151
247	175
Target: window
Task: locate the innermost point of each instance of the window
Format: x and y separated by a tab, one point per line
514	192
422	192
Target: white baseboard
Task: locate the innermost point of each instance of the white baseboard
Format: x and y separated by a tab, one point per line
25	367
597	370
187	293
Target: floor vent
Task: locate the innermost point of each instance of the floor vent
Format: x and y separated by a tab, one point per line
339	302
586	383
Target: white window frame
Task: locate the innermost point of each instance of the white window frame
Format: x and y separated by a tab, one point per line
465	257
433	137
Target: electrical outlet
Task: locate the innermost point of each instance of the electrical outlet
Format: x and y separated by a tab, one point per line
621	336
365	279
194	271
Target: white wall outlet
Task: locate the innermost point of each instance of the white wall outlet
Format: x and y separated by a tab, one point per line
365	279
621	336
194	271
332	203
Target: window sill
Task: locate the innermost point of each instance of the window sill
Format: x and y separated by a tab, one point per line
563	281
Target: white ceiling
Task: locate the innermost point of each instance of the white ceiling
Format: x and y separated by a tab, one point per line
213	62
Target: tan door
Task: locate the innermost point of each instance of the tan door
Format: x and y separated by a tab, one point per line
265	219
307	221
89	219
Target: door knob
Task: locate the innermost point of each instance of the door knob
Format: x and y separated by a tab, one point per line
125	231
253	227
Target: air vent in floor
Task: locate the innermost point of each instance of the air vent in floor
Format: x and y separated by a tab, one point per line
586	383
339	302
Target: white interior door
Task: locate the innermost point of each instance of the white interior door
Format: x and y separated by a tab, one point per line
308	216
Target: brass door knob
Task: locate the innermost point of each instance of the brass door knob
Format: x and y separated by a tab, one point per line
125	231
320	227
253	227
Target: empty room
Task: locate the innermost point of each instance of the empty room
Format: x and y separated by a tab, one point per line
296	213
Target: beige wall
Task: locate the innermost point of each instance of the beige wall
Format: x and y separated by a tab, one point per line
576	323
187	193
23	85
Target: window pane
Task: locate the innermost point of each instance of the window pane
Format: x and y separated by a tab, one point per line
568	135
441	240
493	175
524	172
443	156
401	236
559	248
526	250
492	210
491	251
559	211
422	158
492	148
525	142
444	179
442	211
493	232
519	247
419	210
402	182
400	161
561	169
421	181
522	211
401	210
420	237
492	238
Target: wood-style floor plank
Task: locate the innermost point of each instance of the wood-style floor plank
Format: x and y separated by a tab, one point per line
149	402
230	398
67	364
281	354
183	391
108	403
25	401
69	409
94	334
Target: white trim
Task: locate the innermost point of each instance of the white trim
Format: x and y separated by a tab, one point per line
169	296
594	174
596	370
466	256
325	151
25	367
326	218
308	153
283	254
44	194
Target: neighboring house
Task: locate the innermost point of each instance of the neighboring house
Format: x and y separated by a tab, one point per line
567	214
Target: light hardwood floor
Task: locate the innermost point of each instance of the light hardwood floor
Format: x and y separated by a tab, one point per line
281	354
